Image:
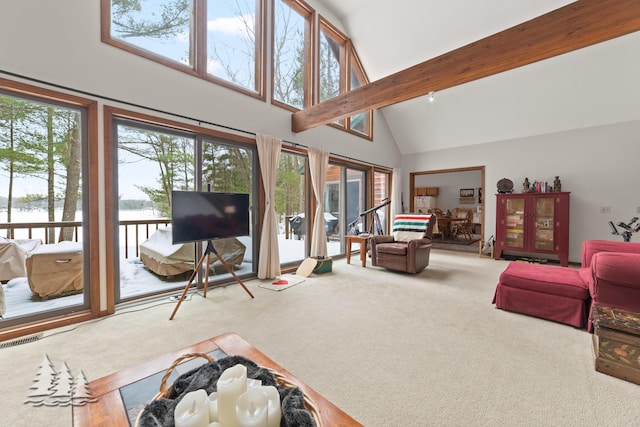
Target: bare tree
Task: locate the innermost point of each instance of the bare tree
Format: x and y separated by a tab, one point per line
174	156
127	21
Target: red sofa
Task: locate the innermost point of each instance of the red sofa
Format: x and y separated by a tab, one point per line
609	275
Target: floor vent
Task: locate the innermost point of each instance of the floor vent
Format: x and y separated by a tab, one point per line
20	341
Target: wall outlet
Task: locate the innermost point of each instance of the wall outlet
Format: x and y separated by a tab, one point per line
605	209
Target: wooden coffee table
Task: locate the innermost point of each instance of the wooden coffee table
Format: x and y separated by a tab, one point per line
121	395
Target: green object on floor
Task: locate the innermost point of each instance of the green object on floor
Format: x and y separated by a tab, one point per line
323	265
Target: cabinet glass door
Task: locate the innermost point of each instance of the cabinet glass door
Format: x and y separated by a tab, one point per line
544	224
515	223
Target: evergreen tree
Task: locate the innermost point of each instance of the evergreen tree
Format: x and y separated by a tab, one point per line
61	388
41	387
81	394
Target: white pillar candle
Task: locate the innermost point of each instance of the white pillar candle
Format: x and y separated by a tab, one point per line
213	407
231	384
252	408
274	412
251	383
215	424
192	410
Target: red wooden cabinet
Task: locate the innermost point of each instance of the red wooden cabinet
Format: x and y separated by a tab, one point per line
533	224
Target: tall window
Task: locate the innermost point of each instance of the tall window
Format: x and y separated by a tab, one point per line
340	71
345	198
152	162
232	48
214	39
381	191
332	62
229	168
44	246
360	123
291	206
292	69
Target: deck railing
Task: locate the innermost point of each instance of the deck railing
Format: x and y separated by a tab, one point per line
142	229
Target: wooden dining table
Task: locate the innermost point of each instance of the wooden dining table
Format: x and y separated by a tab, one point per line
445	225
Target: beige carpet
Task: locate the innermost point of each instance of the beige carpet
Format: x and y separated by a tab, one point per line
390	349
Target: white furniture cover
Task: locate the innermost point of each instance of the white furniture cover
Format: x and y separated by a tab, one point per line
164	258
55	269
13	257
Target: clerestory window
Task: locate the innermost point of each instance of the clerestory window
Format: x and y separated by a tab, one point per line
218	40
360	123
222	41
292	53
332	63
340	71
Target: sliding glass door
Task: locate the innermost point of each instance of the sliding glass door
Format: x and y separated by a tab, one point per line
153	161
229	168
344	200
44	218
291	186
381	194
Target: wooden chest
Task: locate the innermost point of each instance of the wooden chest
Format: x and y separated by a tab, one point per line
616	342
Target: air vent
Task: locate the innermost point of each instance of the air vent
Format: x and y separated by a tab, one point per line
20	341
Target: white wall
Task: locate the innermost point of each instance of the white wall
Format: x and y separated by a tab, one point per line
58	42
599	166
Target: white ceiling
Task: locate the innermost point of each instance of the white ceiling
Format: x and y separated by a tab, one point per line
593	86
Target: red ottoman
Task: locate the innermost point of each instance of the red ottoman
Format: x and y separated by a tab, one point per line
555	293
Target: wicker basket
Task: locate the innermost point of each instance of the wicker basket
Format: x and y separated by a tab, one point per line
281	380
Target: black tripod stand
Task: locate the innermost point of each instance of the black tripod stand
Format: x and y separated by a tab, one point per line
207	256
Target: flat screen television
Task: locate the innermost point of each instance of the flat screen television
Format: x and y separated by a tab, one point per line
202	215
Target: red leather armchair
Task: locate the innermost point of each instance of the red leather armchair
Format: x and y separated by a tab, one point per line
410	256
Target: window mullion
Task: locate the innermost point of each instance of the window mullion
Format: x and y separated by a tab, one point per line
199	33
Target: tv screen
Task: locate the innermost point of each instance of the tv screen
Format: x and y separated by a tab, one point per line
200	215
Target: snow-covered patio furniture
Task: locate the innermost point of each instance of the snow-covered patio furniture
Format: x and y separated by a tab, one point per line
162	257
13	257
55	269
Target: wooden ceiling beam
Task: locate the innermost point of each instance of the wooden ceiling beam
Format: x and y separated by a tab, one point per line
575	26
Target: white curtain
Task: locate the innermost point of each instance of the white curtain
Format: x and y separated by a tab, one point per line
318	163
396	193
269	156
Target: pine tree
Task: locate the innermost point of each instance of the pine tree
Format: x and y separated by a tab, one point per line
81	392
61	388
42	383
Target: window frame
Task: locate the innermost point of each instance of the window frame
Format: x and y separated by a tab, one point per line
309	14
337	36
354	64
198	36
349	61
114	115
90	309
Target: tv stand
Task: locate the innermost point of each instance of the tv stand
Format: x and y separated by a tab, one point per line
207	256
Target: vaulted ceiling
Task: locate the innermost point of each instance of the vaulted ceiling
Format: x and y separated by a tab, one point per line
593	86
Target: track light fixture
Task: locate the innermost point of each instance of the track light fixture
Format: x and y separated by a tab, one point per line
431	97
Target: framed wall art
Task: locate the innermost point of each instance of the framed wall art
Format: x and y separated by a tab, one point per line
467	192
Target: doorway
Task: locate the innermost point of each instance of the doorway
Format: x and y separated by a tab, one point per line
456	190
